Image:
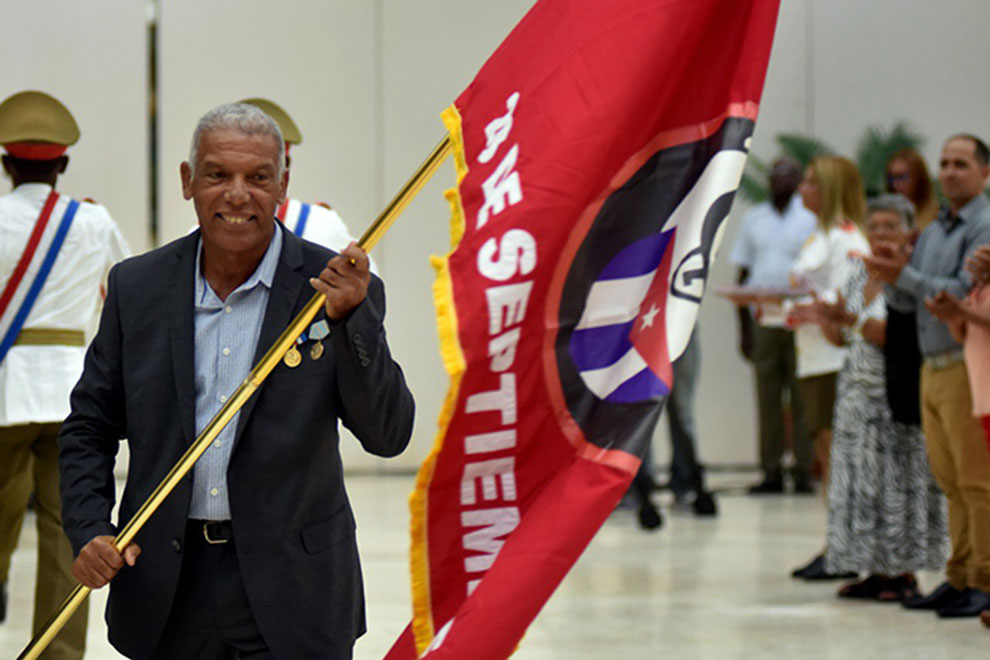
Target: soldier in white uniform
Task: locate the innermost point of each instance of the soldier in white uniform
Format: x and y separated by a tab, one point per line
54	255
316	222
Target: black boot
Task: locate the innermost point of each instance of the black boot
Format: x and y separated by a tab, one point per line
704	504
649	516
815	570
771	485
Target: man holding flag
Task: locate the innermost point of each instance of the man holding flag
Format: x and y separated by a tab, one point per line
254	556
598	152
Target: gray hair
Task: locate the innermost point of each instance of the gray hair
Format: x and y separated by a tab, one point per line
895	202
242	117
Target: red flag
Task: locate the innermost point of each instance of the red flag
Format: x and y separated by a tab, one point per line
597	152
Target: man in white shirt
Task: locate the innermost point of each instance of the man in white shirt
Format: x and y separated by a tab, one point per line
769	240
54	255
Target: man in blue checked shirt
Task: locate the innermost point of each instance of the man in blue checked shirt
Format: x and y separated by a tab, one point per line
254	556
953	437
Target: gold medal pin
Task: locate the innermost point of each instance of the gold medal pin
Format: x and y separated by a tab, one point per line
292	358
317	351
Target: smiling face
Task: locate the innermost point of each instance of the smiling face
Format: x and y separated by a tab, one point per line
236	189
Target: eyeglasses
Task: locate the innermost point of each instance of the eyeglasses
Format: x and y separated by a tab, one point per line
898	178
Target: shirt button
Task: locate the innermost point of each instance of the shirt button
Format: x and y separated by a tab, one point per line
223	398
226	351
228	309
214	492
217	443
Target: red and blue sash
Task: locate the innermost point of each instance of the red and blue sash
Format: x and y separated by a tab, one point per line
303	215
16	301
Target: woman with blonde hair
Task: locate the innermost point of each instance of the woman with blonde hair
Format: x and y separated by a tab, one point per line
832	189
907	174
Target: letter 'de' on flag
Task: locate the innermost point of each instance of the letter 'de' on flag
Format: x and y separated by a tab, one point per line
597	151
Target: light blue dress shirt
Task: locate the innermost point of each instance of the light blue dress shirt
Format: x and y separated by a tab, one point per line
938	264
769	241
226	334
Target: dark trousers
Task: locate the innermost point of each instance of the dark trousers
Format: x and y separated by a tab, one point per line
211	617
686	473
774	363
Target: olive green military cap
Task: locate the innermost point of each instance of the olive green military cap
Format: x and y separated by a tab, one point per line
36	117
290	132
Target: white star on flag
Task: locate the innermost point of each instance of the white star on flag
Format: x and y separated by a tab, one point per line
649	316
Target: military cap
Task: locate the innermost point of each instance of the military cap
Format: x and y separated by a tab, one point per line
290	132
35	126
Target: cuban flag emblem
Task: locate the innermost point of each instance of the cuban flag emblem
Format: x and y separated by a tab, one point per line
620	344
633	289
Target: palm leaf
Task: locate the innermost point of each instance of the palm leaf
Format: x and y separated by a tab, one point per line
802	148
753	186
754	189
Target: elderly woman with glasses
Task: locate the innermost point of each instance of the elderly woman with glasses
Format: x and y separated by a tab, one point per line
886	516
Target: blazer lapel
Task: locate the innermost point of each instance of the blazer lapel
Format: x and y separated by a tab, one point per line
181	335
283	300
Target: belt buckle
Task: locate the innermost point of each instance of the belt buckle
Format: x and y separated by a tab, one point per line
206	535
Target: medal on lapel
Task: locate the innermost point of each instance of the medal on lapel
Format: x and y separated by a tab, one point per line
292	358
317	332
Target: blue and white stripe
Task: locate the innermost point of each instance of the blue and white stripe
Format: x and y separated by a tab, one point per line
600	346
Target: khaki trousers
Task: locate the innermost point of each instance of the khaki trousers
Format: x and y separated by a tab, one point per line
961	467
29	463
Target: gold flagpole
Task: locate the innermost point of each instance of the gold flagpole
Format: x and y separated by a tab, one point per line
240	396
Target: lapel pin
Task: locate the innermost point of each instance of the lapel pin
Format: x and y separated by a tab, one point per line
292	358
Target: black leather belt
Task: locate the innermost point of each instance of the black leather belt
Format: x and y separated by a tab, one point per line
214	531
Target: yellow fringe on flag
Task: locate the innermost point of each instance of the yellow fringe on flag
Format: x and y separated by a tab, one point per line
453	361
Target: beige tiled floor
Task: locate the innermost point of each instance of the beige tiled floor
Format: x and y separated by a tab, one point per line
700	589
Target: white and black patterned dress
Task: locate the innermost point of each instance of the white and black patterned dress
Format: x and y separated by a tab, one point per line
886	516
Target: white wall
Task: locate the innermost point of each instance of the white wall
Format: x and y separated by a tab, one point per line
315	59
91	56
366	80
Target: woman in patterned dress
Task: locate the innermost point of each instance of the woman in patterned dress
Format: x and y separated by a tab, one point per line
886	516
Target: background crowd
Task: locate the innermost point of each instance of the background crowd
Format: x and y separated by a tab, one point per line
868	322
